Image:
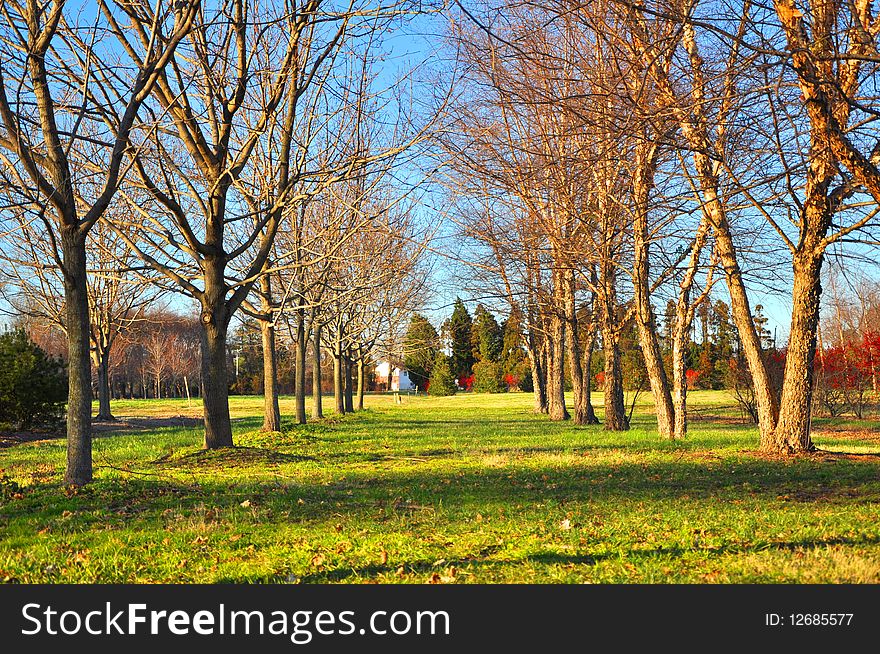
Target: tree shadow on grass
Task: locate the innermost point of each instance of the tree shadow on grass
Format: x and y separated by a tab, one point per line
363	494
229	457
480	560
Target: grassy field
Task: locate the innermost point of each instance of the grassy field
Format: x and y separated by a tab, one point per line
468	489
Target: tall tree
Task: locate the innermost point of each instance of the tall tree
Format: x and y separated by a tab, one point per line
421	344
457	329
486	336
71	90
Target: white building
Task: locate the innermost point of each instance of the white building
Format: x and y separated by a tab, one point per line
400	380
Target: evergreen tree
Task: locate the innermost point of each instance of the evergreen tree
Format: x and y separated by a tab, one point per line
487	377
442	381
486	336
420	347
458	330
33	385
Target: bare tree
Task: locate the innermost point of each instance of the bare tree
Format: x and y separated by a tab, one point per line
69	97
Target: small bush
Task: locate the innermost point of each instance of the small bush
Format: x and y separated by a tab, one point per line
33	385
442	382
487	377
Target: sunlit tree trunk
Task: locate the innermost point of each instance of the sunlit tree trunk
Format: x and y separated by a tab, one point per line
79	367
300	366
271	411
556	369
317	399
580	394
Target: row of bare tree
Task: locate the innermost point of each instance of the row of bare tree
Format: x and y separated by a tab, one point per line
245	154
616	156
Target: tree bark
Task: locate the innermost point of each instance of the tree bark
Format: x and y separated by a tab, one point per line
539	377
79	366
556	370
615	410
647	327
792	434
765	395
643	181
361	381
679	380
300	367
338	375
575	364
588	378
271	410
317	400
349	385
102	355
215	325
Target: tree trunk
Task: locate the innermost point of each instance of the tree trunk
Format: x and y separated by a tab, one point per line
556	370
588	378
317	403
657	377
679	380
575	364
361	381
103	367
271	411
647	327
765	395
215	398
79	366
349	385
338	375
615	410
539	377
300	367
792	433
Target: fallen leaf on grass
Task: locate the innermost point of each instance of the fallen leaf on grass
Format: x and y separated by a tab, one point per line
448	578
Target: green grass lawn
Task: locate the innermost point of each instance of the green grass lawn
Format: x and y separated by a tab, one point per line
468	489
